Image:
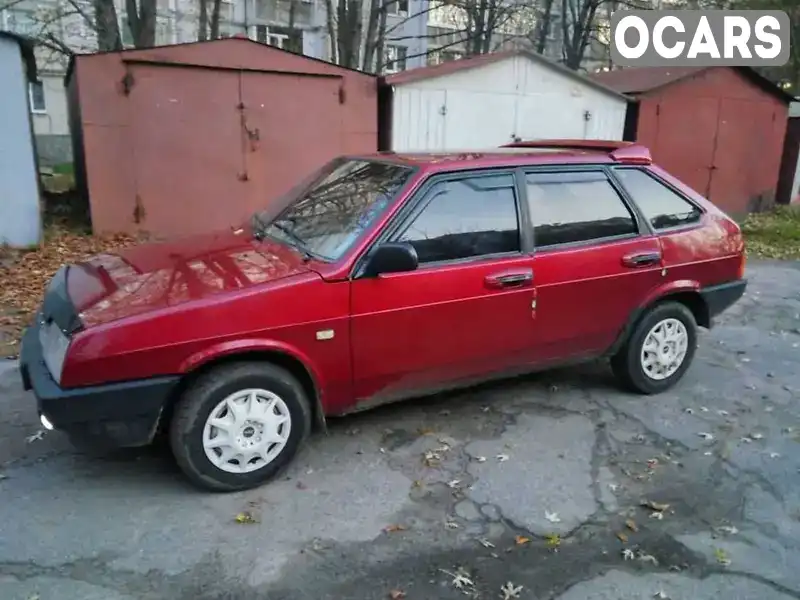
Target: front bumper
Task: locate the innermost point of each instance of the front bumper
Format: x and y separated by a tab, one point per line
114	415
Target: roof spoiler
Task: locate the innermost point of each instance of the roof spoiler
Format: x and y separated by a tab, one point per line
629	153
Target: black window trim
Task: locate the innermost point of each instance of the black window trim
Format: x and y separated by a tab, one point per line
649	173
413	206
642	226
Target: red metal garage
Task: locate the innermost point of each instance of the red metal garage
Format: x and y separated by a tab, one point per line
180	139
720	129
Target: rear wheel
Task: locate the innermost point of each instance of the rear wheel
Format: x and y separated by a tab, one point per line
239	425
659	351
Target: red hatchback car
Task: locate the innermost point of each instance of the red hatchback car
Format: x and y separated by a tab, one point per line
381	278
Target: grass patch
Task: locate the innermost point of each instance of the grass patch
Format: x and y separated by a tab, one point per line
773	234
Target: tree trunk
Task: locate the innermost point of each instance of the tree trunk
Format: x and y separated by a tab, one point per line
544	30
142	21
215	10
332	33
107	25
202	25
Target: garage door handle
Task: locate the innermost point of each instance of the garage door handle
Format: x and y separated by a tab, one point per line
641	260
509	279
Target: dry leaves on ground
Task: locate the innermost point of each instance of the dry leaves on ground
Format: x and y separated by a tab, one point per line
24	275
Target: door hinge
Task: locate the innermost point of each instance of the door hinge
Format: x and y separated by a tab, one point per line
443	110
658	109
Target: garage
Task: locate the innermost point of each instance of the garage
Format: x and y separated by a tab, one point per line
183	139
719	129
493	99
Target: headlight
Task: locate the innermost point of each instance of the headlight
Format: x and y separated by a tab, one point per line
54	348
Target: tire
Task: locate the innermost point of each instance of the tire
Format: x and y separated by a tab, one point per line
190	425
628	365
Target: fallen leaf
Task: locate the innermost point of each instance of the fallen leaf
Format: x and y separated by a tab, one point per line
509	591
397	594
394	528
3	476
756	436
552	517
627	554
553	540
502	457
461	579
660	595
245	518
417	483
480	459
648	558
722	557
704	409
35	437
631	524
774	455
454	483
706	436
450	524
688	411
659	516
426	431
728	529
521	539
660	507
486	543
622	537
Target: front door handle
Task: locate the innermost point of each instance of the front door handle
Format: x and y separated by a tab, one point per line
510	279
641	260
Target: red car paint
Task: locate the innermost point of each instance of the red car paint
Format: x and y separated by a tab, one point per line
165	309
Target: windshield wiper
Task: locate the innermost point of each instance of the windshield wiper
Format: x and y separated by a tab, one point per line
295	241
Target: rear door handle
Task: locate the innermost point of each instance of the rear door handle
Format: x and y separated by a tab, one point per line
509	279
641	260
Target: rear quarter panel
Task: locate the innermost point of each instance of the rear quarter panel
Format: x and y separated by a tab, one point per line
706	254
282	316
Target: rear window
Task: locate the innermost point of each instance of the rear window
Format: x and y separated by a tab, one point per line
661	206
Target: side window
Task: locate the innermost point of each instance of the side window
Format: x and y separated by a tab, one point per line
659	204
464	218
576	207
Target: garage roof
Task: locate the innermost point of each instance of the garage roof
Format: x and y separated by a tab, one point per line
464	64
641	80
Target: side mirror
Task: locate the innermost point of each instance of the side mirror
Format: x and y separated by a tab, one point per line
392	257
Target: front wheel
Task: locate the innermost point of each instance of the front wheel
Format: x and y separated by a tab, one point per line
237	426
659	351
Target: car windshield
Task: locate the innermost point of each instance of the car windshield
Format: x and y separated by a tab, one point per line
326	218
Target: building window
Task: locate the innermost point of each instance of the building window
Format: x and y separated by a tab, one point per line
263	34
394	58
398	7
36	97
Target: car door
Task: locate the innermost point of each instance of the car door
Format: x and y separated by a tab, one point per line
462	313
595	260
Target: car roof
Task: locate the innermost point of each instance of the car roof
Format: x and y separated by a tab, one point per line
523	154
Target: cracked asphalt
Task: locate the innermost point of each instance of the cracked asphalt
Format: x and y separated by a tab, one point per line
558	484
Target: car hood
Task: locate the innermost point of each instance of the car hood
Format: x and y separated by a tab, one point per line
153	276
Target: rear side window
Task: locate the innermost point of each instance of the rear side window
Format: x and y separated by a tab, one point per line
568	208
659	204
465	218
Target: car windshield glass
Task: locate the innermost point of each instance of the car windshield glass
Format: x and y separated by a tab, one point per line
325	219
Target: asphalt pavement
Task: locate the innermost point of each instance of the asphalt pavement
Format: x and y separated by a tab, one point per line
553	486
